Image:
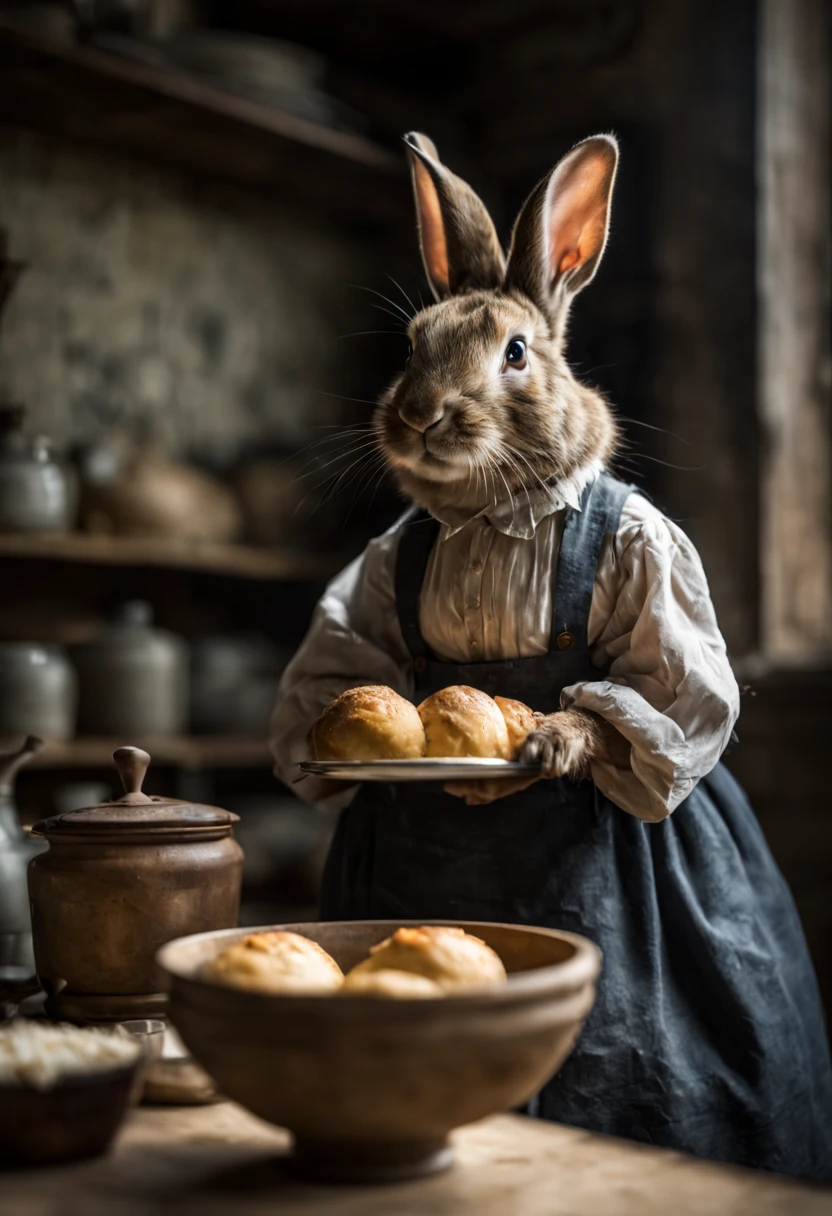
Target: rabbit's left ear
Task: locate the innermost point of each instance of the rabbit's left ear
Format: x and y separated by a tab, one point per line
460	248
561	231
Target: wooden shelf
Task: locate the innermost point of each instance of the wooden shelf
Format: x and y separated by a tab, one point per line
135	110
229	561
185	751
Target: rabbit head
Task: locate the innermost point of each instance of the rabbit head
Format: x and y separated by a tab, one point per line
487	404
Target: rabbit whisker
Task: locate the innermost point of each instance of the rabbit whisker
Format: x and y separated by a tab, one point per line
366	464
382	296
385	472
314	465
679	468
532	470
389	312
363	333
351	431
511	497
336	479
513	465
319	468
396	283
649	427
489	467
359	400
366	478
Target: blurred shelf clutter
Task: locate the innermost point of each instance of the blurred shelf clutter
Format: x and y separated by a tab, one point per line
135	680
95	544
245	109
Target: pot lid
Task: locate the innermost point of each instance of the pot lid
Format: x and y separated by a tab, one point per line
136	811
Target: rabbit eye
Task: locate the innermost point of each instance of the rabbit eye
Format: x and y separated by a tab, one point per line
516	354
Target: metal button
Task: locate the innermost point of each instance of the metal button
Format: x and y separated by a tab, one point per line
420	664
476	567
565	640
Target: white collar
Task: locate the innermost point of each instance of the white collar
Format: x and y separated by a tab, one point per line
520	514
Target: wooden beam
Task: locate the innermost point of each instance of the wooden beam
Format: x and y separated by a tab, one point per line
794	348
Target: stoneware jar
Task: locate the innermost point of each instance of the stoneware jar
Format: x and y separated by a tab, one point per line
38	691
133	678
36	492
233	684
118	881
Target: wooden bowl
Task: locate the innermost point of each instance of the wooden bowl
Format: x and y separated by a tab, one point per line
370	1088
76	1117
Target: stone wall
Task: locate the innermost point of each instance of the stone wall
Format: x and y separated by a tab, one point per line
213	312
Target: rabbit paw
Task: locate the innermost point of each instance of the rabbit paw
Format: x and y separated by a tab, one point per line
563	744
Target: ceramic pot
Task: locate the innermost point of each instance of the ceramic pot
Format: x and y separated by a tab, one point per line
140	492
233	685
117	882
17	848
38	691
133	678
36	492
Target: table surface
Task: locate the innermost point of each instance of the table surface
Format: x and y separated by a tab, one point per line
212	1160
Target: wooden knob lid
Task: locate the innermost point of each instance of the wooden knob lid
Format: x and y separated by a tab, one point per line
132	764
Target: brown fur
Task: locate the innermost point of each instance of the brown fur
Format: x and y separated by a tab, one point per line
458	427
566	743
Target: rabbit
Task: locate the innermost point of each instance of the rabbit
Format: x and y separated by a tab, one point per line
707	982
487	397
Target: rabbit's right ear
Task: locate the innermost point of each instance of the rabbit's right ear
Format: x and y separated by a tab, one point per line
460	248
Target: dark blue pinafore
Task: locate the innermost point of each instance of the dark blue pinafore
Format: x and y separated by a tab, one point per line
708	1033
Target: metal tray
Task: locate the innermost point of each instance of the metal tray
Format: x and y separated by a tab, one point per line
466	769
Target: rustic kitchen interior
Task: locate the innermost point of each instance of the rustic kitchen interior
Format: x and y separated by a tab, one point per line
208	259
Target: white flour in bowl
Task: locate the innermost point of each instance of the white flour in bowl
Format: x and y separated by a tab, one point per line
42	1053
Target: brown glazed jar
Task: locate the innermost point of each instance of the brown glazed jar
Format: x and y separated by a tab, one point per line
117	882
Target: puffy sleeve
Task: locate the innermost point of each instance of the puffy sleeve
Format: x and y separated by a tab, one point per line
670	691
354	639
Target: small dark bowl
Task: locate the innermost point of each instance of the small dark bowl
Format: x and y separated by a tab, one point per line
77	1117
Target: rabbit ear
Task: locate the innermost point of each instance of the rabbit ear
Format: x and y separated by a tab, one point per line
460	249
561	231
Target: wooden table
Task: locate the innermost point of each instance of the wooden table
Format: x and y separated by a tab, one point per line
212	1160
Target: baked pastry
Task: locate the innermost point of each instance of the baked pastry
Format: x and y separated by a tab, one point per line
461	721
397	985
453	959
369	723
520	721
275	962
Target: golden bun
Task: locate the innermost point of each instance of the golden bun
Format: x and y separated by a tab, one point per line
454	960
369	723
462	721
275	962
394	985
520	722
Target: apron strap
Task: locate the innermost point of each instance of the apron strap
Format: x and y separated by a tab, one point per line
419	531
580	548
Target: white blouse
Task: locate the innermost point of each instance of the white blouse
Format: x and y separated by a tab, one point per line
488	594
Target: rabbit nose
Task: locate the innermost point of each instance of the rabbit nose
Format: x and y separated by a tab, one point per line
422	416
